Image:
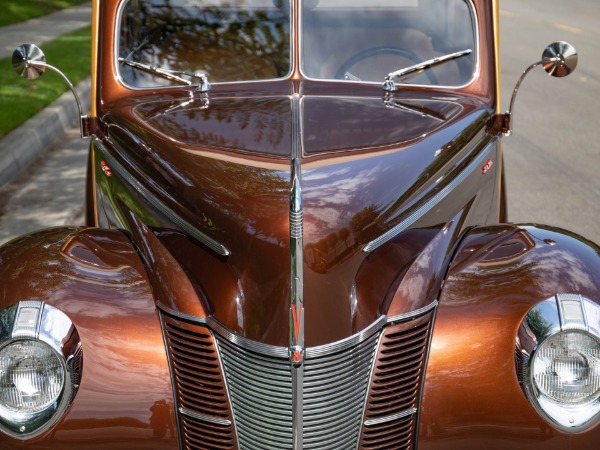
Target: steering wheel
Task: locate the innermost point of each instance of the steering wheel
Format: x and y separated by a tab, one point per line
375	51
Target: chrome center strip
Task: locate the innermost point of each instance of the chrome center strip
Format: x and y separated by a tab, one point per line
164	209
204	418
296	312
408	412
431	203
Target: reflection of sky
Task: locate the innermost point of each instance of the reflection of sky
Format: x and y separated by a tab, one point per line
333	194
558	262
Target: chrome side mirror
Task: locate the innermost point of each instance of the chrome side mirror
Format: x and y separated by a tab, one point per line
559	59
29	62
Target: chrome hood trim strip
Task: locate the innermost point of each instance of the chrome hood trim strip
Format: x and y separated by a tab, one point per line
432	202
161	207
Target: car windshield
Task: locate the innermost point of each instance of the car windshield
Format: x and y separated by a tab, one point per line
367	39
166	42
228	40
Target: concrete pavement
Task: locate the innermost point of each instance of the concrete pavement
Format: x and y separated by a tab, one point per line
44	29
22	146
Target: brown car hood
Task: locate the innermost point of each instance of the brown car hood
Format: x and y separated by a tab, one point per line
223	164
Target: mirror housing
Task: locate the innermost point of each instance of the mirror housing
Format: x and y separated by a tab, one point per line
559	59
29	61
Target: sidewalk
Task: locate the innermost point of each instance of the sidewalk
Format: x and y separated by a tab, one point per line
44	29
22	146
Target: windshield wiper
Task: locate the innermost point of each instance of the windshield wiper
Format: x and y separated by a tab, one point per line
407	73
173	75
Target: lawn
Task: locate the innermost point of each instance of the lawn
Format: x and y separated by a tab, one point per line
18	11
21	99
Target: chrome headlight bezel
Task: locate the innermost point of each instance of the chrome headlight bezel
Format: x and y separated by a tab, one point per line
564	316
34	323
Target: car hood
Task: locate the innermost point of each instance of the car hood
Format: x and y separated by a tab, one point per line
223	165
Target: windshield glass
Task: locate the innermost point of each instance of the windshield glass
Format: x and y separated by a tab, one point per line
364	40
228	40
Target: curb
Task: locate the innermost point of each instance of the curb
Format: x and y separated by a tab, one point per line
20	147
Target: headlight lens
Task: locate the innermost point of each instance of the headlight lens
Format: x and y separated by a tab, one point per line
566	368
32	377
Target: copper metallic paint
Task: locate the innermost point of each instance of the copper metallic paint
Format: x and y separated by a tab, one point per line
181	144
371	190
370	159
97	279
471	396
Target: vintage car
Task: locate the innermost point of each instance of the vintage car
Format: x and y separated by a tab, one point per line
295	239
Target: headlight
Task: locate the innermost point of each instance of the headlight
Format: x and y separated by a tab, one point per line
40	359
558	361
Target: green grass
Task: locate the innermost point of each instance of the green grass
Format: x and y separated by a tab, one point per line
21	99
14	11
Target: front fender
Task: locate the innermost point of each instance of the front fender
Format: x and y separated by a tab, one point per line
95	277
471	397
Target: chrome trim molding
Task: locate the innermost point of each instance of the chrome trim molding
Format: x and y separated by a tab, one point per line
412	314
204	418
117	41
164	209
369	381
351	341
296	312
476	66
431	203
406	413
310	352
172	312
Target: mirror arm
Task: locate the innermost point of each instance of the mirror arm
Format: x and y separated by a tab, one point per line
506	120
84	127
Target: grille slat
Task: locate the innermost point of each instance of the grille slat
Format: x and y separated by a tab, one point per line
390	414
199	386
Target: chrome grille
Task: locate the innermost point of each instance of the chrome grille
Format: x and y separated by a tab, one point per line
390	415
360	393
335	386
260	388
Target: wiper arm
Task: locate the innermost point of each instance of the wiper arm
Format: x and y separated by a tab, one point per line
173	75
412	71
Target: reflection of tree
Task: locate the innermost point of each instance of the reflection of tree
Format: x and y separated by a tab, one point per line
338	244
537	323
229	43
507	279
252	198
259	125
160	420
